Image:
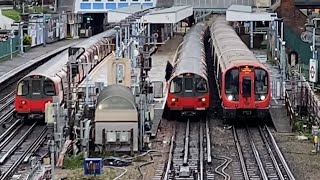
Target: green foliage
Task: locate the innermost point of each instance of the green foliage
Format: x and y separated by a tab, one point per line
107	174
12	14
27	39
73	161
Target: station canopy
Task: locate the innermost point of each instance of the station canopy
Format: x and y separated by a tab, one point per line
247	13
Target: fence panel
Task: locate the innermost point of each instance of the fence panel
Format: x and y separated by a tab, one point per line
5	49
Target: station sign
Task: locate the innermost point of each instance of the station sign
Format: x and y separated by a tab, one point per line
313	70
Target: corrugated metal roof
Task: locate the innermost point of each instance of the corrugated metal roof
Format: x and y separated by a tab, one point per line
213	4
170	10
116	90
130	9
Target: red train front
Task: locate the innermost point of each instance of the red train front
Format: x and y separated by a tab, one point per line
33	92
188	93
246	92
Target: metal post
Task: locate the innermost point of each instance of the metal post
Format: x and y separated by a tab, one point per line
11	47
81	136
44	30
313	43
52	158
87	85
55	5
21	37
251	34
149	33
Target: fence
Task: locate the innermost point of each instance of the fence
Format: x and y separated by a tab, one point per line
301	100
5	48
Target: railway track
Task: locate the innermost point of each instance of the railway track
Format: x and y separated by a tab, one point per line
22	141
188	152
259	154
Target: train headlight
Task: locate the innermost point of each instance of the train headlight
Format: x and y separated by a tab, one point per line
262	97
230	97
203	99
23	102
173	100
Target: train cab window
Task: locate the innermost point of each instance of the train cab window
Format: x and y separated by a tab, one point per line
36	87
23	88
232	82
48	88
176	85
246	86
201	85
188	84
261	81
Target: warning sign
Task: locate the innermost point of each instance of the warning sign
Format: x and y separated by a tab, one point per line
313	69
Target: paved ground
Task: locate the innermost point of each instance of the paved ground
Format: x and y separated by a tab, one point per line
20	60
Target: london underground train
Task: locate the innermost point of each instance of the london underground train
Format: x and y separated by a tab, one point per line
243	81
50	79
188	93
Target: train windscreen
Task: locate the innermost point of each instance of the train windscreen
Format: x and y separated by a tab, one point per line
176	85
246	86
232	84
23	88
48	88
261	83
201	85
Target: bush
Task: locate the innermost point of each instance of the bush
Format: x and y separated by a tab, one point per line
27	40
73	161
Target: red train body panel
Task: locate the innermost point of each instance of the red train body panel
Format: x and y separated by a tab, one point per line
188	92
243	81
38	87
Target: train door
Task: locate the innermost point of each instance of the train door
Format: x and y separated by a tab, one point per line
247	96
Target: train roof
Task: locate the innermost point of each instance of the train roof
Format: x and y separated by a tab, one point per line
231	50
191	54
55	64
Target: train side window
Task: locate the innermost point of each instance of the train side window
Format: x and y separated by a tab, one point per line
201	85
232	82
175	86
23	88
48	88
188	84
261	81
36	87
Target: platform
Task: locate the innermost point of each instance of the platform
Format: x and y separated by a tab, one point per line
12	67
277	110
165	53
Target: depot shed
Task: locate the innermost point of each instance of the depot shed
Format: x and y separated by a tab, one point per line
116	103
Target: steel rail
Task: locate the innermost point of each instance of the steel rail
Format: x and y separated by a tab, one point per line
21	158
170	156
208	143
17	144
6	116
282	159
256	155
275	163
7	97
201	151
240	153
9	130
186	145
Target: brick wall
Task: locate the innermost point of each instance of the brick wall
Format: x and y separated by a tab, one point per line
292	16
